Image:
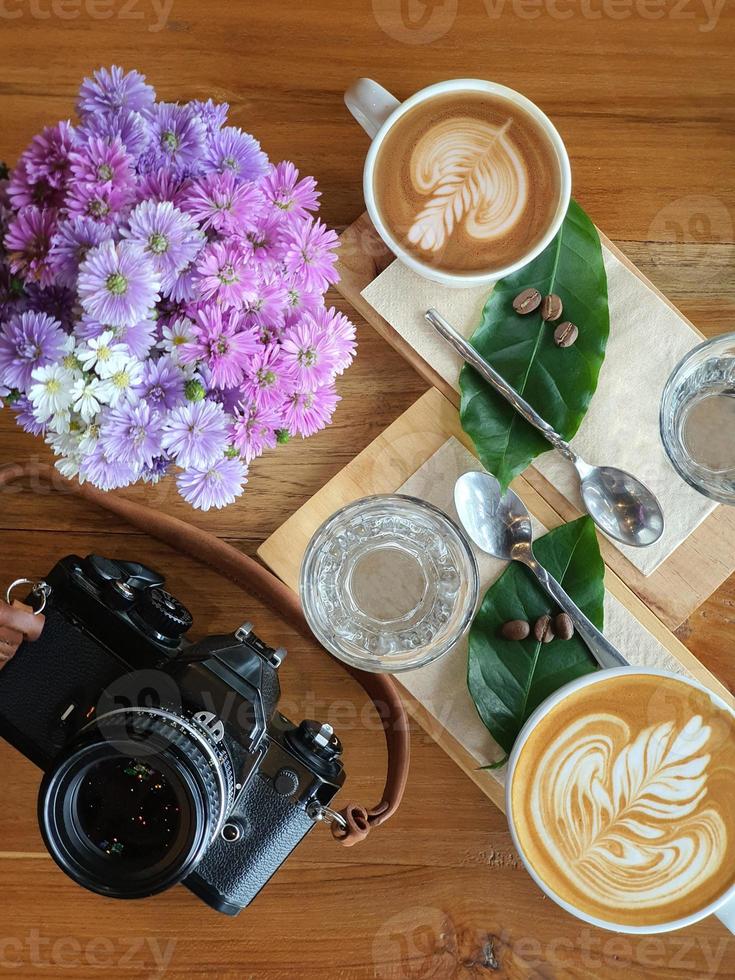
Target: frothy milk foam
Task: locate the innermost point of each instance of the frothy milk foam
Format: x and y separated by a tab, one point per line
623	800
467	182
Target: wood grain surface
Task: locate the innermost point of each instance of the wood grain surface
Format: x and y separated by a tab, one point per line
642	93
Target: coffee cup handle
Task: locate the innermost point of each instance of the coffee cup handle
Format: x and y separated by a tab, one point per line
726	915
370	104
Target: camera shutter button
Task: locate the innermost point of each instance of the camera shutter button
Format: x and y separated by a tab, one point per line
285	782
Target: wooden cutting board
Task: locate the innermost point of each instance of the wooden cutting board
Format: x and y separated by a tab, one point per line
383	467
691	573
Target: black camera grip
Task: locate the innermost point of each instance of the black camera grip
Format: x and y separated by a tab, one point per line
254	578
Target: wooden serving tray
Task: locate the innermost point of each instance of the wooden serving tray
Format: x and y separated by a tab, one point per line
684	580
383	467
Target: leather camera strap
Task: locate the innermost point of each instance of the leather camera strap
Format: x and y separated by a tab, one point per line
17	623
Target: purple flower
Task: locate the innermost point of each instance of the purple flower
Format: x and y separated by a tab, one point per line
70	244
26	419
169	238
212	114
305	412
113	89
106	203
309	353
162	384
105	471
254	429
128	126
231	150
164	184
132	434
222	344
310	254
118	284
196	433
224	276
157	470
43	169
219	202
104	161
28	341
184	289
178	137
214	486
286	192
269	379
55	301
28	241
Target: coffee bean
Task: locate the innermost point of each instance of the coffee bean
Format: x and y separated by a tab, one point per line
565	334
551	307
543	629
563	626
515	629
527	301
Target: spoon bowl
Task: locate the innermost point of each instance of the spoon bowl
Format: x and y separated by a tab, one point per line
500	525
620	505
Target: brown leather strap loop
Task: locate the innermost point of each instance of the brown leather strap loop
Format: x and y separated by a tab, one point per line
257	580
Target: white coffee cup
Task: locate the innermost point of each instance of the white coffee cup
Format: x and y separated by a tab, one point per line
377	111
723	908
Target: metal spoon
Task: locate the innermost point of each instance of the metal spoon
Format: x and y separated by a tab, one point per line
618	503
501	526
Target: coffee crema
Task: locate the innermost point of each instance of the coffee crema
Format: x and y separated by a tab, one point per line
467	182
623	800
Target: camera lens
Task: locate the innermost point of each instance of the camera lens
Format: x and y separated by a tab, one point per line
131	807
130	811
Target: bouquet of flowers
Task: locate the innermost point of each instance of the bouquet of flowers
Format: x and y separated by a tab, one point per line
162	294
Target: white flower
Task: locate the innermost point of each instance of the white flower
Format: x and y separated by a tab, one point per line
103	354
51	391
87	397
60	422
64	443
118	387
88	439
180	331
68	466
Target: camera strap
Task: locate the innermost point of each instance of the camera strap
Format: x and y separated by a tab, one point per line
18	622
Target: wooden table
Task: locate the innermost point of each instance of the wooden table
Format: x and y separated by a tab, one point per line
642	93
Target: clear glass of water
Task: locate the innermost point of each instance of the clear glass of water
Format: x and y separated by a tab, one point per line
389	583
698	418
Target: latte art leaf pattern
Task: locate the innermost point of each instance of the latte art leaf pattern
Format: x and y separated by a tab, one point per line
626	815
477	179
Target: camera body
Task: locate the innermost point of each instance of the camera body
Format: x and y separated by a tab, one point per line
164	760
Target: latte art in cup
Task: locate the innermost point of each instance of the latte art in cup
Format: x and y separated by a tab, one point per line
467	182
623	800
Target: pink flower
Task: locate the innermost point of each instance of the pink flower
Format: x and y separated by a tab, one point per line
28	241
224	276
306	412
269	379
310	254
286	192
222	203
339	333
309	353
222	344
254	429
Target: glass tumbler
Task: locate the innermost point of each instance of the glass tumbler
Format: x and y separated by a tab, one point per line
697	418
389	583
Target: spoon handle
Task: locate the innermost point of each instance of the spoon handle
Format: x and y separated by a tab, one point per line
468	353
600	647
